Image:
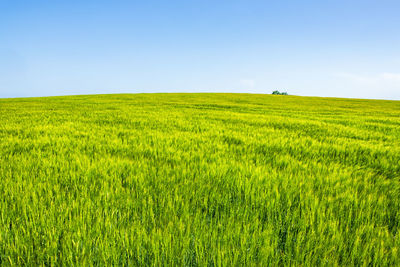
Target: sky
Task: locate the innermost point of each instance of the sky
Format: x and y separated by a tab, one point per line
335	48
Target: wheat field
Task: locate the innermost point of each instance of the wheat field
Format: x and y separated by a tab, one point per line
199	180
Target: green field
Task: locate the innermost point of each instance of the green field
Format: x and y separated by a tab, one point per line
199	180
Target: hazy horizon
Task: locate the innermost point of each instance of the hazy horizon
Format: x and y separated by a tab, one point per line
180	92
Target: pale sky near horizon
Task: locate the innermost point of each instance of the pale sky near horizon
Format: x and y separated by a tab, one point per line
311	48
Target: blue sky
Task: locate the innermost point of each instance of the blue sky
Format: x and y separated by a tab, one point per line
320	48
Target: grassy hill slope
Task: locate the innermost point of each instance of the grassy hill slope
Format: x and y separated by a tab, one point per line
199	179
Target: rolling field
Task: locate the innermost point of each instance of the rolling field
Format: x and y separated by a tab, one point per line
199	180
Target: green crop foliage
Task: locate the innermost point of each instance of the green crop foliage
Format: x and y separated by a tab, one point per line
199	180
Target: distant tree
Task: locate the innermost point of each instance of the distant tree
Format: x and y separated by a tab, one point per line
276	92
